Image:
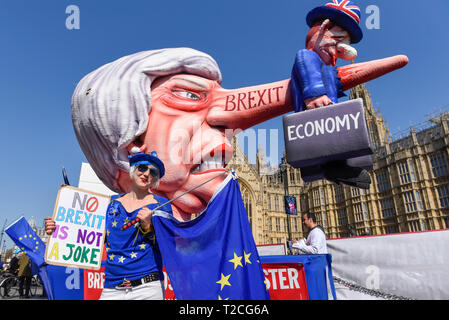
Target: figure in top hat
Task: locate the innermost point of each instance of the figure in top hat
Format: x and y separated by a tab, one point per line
333	27
316	81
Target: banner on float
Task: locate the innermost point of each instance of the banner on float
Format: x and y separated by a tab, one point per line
284	281
80	229
410	265
317	274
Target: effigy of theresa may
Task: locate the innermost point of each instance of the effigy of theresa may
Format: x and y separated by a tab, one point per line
171	101
146	99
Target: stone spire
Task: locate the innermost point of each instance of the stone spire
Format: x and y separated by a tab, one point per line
377	127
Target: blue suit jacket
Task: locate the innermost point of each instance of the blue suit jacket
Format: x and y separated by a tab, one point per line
312	78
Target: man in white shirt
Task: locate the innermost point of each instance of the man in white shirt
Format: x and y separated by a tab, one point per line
316	240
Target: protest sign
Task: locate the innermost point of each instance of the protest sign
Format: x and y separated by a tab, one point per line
78	239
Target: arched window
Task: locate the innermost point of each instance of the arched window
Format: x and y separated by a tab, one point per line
248	201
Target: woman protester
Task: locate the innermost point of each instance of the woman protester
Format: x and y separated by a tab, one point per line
133	270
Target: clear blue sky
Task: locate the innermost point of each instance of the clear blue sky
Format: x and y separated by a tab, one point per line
254	42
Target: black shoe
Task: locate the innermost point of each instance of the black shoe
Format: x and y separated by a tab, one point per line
340	173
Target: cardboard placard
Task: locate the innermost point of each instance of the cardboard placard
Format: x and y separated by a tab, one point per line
80	218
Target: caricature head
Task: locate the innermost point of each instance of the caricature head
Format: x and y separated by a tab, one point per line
334	27
169	101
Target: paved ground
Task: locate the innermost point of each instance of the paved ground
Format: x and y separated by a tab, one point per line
37	296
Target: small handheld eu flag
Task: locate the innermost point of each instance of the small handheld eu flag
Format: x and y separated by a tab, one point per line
27	240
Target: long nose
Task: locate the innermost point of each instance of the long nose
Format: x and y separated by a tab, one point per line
245	107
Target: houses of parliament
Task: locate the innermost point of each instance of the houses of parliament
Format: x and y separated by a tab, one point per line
409	190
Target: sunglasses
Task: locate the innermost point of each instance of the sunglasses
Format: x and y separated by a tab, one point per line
144	167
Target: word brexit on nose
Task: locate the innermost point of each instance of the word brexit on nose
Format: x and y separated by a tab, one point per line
253	99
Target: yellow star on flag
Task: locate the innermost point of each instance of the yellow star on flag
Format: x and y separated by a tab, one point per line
224	281
237	261
114	223
220	298
247	257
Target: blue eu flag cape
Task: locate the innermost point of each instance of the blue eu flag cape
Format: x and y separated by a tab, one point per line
214	256
27	240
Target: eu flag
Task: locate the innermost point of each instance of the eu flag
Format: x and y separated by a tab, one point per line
213	256
27	240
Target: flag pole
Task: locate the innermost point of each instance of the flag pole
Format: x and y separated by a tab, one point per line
133	222
64	175
3	231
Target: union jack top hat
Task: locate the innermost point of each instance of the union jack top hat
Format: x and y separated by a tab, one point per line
343	12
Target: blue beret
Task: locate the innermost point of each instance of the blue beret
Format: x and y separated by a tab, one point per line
147	158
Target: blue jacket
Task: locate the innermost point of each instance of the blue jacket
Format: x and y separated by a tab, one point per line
312	78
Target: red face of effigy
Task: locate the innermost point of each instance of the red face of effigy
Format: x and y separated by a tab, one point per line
191	124
330	42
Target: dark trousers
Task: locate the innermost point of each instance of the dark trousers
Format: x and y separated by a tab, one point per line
27	281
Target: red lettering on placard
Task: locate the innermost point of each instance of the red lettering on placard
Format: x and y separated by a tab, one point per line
92	204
